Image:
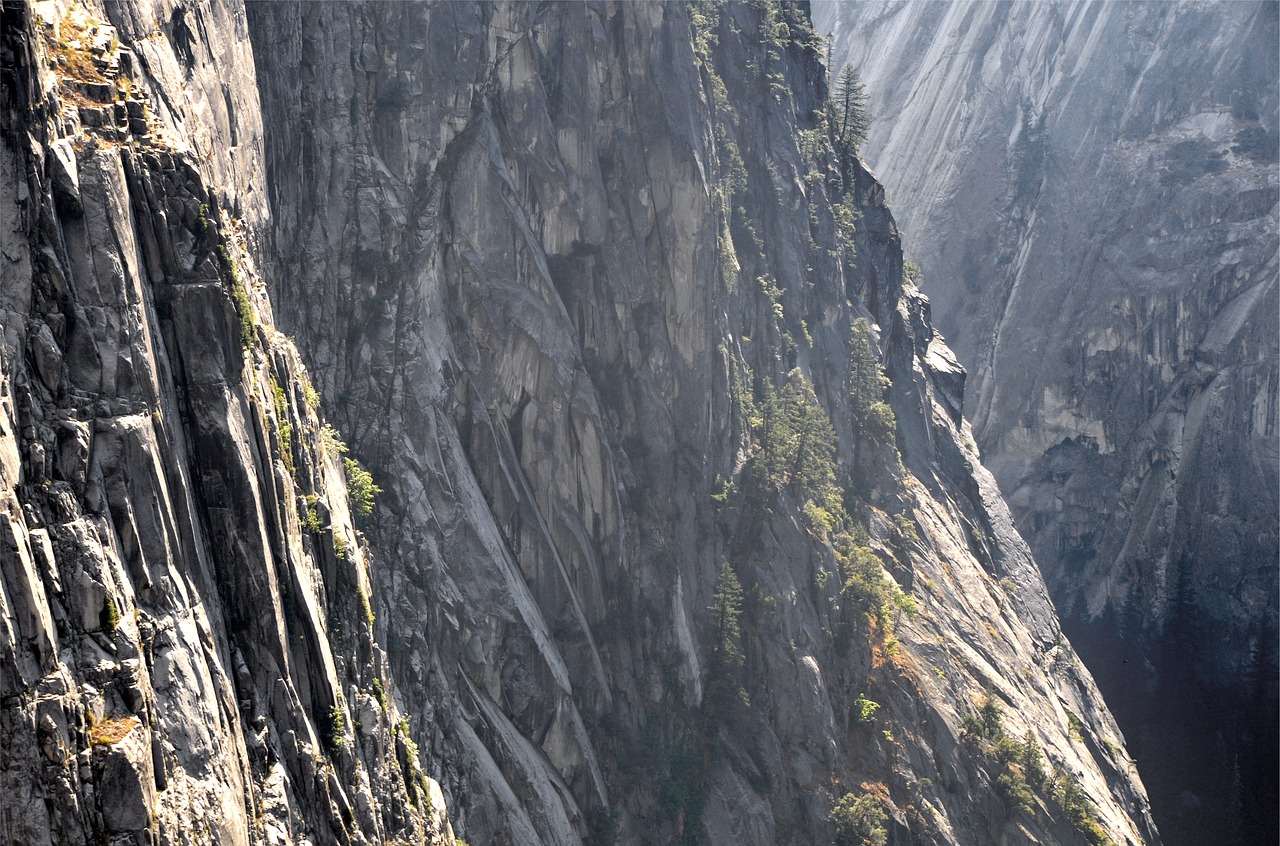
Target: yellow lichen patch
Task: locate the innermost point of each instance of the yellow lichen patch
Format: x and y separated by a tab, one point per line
111	730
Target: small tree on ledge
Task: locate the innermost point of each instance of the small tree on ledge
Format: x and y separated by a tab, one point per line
360	487
850	120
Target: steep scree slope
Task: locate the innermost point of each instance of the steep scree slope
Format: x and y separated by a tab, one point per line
579	284
1091	189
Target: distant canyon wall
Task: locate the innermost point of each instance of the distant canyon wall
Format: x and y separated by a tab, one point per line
1090	190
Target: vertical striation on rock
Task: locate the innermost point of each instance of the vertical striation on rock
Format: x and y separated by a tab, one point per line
182	654
1091	189
657	555
548	264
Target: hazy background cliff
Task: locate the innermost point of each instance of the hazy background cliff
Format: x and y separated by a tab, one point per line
1090	189
602	303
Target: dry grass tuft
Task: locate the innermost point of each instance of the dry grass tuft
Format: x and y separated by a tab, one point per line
111	730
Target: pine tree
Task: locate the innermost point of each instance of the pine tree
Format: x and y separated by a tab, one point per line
778	440
814	467
866	381
726	644
797	443
850	115
726	617
850	121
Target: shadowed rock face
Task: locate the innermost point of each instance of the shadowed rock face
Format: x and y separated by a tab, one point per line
550	267
1091	192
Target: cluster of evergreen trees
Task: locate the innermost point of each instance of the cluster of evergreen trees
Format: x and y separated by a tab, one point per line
794	455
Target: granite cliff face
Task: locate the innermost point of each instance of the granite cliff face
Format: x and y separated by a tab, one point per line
1090	189
578	283
185	649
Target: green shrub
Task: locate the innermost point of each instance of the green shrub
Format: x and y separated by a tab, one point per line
332	441
333	729
859	821
864	583
704	17
284	427
360	487
1019	763
1013	787
311	520
1074	727
309	393
246	314
864	710
879	425
903	603
872	417
1006	750
911	273
109	616
724	494
1079	809
818	519
905	529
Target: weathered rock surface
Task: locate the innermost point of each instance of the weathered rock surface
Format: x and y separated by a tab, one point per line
1091	189
503	245
179	648
550	267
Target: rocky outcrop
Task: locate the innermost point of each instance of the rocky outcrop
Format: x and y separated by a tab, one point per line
581	285
1091	192
183	657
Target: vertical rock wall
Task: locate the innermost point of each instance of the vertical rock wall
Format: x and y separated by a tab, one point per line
183	653
578	283
1090	189
510	245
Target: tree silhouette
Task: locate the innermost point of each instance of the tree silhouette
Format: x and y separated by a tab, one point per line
850	120
726	643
